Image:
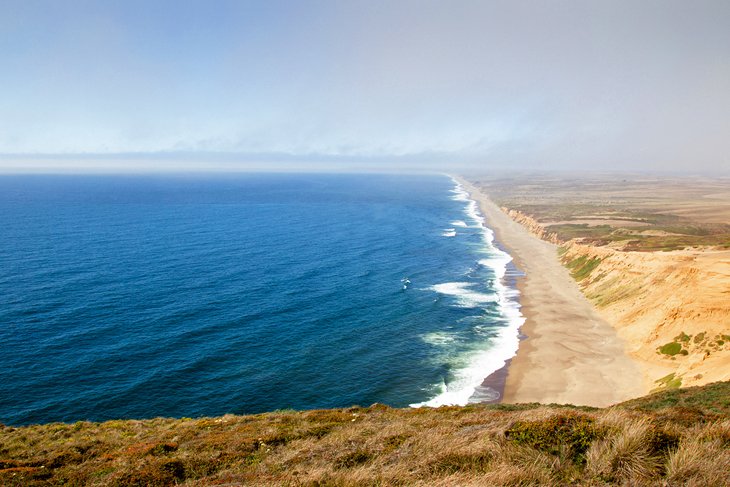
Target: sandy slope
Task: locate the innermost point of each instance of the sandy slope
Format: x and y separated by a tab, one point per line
571	354
652	298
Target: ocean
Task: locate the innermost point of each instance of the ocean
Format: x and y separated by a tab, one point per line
197	295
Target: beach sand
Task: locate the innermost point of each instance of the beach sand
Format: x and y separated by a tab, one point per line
570	355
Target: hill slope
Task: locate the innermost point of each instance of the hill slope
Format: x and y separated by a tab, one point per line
678	436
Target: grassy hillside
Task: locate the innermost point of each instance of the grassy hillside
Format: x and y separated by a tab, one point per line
681	437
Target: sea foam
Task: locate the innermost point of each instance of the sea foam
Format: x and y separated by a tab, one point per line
465	296
467	379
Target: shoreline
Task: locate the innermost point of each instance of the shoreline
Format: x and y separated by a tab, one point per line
567	353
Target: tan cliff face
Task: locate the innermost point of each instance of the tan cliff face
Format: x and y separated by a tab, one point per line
532	225
672	309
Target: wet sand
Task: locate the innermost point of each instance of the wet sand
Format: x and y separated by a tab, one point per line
570	355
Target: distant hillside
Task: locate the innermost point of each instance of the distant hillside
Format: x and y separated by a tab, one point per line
675	437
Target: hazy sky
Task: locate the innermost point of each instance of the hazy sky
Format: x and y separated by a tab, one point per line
569	84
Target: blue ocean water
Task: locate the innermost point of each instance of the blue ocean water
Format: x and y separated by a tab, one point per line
144	296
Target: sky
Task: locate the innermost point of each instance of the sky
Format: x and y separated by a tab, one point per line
625	85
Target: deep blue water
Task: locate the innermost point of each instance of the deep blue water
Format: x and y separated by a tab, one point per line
144	296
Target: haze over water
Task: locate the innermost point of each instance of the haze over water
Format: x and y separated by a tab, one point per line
179	296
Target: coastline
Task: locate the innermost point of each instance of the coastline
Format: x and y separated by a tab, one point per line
570	354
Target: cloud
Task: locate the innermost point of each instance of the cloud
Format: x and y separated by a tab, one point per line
520	83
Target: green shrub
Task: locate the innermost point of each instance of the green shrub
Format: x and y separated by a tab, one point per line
683	337
671	348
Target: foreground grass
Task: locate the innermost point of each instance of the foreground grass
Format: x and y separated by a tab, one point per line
679	437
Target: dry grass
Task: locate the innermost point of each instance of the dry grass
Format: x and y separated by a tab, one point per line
475	445
627	454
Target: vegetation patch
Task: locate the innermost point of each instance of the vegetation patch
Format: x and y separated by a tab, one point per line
671	348
601	213
678	242
569	231
22	476
460	462
162	473
683	337
394	442
574	431
669	382
514	407
676	237
713	398
154	449
608	292
660	441
581	267
353	459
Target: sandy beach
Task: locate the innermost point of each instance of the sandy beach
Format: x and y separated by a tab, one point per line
570	355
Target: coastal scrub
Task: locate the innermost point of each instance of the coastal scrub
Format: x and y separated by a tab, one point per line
674	437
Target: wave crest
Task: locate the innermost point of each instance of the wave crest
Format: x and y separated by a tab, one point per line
467	381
